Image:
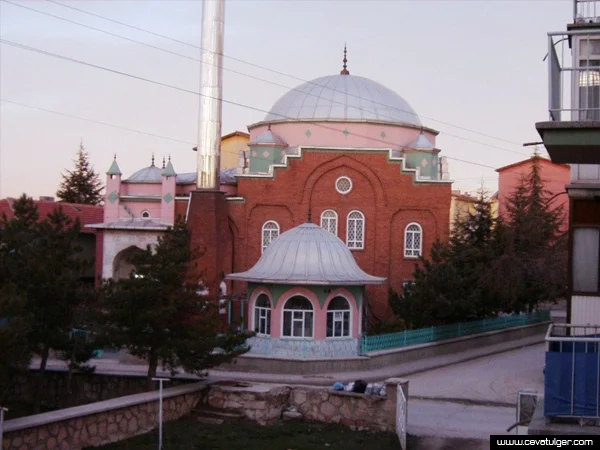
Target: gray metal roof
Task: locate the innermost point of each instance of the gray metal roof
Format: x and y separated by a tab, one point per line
343	97
267	137
227	176
307	254
147	175
421	143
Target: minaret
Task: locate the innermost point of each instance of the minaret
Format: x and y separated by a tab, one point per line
207	214
113	192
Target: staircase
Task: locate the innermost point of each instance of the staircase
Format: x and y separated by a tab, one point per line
209	415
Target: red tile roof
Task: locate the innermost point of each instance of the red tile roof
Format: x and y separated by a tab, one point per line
87	214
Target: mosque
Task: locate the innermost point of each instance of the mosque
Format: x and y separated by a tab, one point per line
339	193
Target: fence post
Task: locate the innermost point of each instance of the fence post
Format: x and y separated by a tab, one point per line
160	409
2	411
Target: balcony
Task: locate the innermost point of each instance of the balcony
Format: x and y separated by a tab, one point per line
572	133
586	11
572	372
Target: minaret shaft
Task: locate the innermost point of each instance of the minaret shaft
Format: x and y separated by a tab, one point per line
211	92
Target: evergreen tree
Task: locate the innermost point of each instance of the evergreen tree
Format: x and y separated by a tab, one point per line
156	314
81	185
456	282
41	272
533	262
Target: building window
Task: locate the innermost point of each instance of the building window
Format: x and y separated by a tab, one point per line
343	185
355	230
298	318
145	215
270	231
329	221
413	240
338	318
262	316
585	260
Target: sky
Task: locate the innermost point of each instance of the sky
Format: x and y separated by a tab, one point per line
473	70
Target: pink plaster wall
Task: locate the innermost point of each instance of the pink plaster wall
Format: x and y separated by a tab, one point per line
554	176
320	315
329	134
141	189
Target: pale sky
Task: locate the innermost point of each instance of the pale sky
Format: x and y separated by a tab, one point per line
476	65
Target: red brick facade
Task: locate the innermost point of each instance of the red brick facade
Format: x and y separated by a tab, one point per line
388	198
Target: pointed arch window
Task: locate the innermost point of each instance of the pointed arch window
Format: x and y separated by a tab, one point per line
262	316
338	318
329	221
298	317
270	230
355	230
413	240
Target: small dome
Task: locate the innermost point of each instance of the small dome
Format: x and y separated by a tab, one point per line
147	175
307	254
421	143
267	137
343	97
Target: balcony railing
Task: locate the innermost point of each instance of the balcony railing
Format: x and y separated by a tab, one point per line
572	371
586	11
574	83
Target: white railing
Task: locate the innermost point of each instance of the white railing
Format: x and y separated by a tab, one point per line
586	11
574	83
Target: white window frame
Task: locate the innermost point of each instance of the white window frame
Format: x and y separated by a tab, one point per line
355	244
302	319
412	251
273	234
346	334
349	181
327	217
264	317
145	212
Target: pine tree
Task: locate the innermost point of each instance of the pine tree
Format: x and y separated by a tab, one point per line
81	185
157	315
456	282
41	273
533	261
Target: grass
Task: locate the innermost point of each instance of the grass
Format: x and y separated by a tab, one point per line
188	434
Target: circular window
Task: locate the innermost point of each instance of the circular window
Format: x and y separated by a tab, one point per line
145	215
343	185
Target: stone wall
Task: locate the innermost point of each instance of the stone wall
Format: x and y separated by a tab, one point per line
99	423
85	388
267	404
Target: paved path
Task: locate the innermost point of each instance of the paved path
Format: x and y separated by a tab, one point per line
491	379
448	419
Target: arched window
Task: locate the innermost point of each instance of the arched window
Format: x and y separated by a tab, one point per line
329	221
270	231
413	240
355	230
298	317
338	318
145	214
262	316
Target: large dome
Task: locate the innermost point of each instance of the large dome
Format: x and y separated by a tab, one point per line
343	97
307	254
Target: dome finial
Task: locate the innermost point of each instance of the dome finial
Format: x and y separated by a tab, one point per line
309	215
152	165
345	69
163	166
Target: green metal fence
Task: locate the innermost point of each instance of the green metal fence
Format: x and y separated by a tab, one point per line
423	335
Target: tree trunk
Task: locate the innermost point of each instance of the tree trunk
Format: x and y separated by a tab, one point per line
152	366
39	385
